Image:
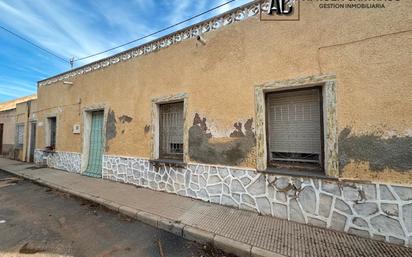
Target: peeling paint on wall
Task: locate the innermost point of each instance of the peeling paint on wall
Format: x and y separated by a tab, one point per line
146	129
238	130
381	153
233	150
111	126
125	119
201	122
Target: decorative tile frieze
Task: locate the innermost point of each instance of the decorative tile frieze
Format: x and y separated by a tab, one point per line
241	13
378	211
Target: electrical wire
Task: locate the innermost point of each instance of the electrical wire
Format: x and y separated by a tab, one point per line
34	44
119	46
154	33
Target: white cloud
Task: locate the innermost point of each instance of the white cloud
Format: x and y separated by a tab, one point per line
146	4
15	90
81	28
69	30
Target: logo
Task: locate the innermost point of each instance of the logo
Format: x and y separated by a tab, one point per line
280	10
281	7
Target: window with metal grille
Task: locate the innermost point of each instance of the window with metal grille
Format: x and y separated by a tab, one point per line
19	136
171	131
294	128
52	131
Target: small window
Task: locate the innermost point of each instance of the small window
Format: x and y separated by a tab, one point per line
171	131
19	136
52	131
295	129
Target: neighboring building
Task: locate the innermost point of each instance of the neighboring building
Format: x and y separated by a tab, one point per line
11	145
310	122
25	139
7	130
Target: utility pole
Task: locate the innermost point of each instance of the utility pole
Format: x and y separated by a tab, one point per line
71	62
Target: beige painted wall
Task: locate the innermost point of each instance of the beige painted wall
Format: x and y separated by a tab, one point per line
8	119
21	119
368	50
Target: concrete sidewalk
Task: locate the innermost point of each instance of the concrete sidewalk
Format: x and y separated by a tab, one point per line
235	231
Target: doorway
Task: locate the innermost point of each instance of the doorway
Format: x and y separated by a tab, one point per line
32	141
1	139
95	149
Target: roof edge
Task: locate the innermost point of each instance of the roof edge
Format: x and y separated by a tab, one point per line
214	23
11	104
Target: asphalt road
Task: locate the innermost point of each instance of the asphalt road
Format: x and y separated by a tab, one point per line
38	221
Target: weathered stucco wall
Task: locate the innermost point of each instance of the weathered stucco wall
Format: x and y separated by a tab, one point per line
21	113
366	50
8	119
25	112
21	119
375	110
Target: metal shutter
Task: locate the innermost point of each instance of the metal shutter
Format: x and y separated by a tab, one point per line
294	120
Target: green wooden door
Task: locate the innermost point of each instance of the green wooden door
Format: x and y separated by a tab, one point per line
94	165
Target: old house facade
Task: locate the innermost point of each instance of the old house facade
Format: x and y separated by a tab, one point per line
7	131
14	122
26	130
310	121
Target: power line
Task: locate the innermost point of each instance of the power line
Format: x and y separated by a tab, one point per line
34	44
71	61
156	32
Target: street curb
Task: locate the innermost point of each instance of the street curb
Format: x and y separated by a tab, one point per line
128	211
171	226
110	205
259	252
198	235
187	232
232	246
148	218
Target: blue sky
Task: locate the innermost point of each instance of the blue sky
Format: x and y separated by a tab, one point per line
77	28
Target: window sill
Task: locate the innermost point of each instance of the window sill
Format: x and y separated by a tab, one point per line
168	162
297	173
49	150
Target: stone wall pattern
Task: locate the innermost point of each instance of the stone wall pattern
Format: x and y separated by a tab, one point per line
38	156
68	161
373	210
378	211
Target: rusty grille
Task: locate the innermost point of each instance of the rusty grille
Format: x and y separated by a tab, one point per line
171	130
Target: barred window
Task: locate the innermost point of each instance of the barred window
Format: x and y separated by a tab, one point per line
19	135
171	131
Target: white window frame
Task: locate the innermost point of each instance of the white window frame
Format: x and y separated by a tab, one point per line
155	130
330	137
